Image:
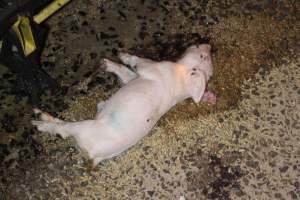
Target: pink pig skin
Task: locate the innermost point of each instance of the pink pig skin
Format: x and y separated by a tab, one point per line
133	110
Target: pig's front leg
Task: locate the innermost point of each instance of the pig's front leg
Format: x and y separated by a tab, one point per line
209	97
120	70
134	61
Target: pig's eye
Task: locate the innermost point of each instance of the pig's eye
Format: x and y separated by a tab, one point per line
203	56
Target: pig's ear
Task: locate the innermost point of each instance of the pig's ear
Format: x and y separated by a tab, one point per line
196	84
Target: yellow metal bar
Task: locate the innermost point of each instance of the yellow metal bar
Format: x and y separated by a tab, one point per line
49	10
23	31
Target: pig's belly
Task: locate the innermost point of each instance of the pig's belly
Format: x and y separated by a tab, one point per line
132	122
127	126
129	115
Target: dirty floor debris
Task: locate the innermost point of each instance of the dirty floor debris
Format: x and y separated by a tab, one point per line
245	147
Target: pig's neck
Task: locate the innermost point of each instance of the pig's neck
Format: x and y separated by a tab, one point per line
175	87
180	92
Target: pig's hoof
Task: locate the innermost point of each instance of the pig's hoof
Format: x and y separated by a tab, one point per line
125	58
43	116
110	65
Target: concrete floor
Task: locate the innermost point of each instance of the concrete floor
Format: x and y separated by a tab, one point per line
244	147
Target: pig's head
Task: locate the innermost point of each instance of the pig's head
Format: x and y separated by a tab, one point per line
198	66
198	56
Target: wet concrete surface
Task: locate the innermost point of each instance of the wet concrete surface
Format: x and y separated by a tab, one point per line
244	147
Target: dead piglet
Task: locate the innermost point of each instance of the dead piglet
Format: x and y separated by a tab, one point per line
147	94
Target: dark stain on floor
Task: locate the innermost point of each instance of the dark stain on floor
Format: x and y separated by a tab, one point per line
205	180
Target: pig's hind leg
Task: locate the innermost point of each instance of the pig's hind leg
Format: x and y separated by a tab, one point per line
64	129
52	125
120	70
